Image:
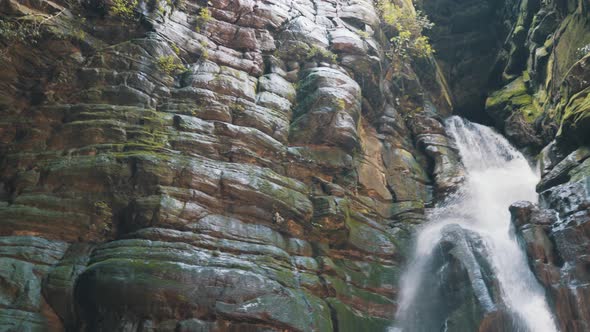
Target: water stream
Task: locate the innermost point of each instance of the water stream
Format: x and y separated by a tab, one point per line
477	216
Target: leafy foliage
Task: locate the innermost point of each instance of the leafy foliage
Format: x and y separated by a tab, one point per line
363	33
20	31
204	51
408	26
175	49
203	18
124	8
168	65
321	54
29	29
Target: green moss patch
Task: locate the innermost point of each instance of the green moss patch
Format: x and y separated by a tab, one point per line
513	97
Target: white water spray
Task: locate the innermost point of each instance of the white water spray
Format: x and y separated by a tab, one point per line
497	176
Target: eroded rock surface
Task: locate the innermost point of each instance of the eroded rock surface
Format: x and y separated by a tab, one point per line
542	107
536	93
230	166
555	236
544	75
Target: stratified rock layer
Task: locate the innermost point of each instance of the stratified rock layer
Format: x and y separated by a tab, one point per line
557	241
231	166
538	97
544	75
544	103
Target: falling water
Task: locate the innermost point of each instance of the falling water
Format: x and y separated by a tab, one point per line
497	175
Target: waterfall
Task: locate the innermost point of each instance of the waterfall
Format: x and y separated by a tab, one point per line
473	226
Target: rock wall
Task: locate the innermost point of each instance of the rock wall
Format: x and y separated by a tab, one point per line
544	106
229	166
537	95
467	36
536	92
545	76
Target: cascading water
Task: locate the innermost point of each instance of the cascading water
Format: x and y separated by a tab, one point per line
474	225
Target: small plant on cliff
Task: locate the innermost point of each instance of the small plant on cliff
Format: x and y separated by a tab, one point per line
104	214
237	108
203	18
407	26
321	54
168	65
12	31
124	8
24	30
175	49
363	33
205	51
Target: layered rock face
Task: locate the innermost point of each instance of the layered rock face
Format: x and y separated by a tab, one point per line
230	166
544	75
547	70
542	106
555	236
537	95
259	166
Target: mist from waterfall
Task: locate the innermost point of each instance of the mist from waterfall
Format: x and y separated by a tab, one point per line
497	175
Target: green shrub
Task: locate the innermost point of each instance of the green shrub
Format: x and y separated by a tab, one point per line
363	33
79	35
175	48
407	27
124	8
237	107
32	29
168	65
322	54
205	51
203	18
20	31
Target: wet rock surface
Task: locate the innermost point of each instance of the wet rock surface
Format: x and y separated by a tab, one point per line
544	85
254	165
555	237
231	166
535	92
459	290
543	103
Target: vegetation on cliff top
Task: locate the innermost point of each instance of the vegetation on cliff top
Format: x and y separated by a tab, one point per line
408	26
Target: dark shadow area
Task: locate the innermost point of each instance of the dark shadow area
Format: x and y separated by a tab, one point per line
467	36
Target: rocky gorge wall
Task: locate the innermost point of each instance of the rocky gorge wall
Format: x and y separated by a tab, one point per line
258	165
544	105
536	93
226	165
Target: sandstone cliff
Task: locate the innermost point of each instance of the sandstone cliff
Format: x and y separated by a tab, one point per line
258	165
231	165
